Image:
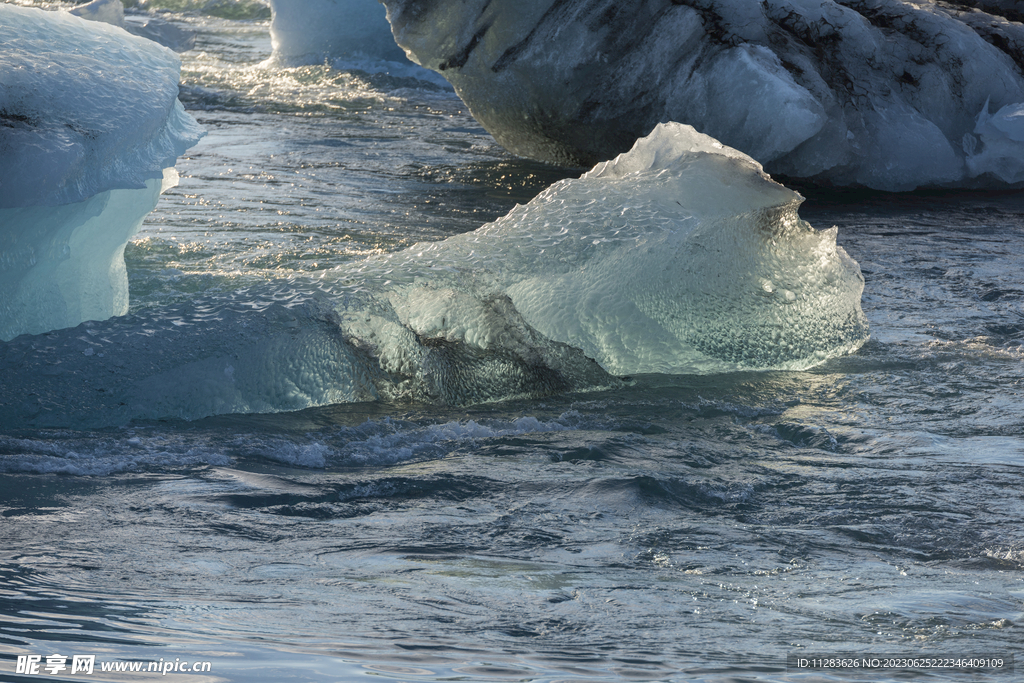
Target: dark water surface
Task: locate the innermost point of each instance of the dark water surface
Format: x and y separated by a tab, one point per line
683	528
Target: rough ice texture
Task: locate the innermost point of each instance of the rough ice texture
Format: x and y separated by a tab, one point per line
311	31
881	93
85	107
245	355
679	256
89	120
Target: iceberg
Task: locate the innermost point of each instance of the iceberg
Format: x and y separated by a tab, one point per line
680	256
314	31
90	128
875	93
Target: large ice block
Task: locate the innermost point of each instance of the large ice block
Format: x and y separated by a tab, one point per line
879	93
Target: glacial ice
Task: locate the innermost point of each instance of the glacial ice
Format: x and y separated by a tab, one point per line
879	93
997	144
253	352
89	121
680	256
107	11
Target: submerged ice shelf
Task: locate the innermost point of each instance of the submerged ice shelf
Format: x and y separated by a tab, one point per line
888	94
90	124
680	256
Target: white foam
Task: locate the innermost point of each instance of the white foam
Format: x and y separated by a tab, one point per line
389	441
102	457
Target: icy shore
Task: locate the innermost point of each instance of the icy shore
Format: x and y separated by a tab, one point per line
89	121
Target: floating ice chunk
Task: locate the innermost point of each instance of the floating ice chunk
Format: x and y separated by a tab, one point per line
874	93
350	35
152	28
678	256
160	31
89	121
65	264
996	147
311	31
84	108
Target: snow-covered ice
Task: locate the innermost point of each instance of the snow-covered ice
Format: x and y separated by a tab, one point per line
89	121
879	93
